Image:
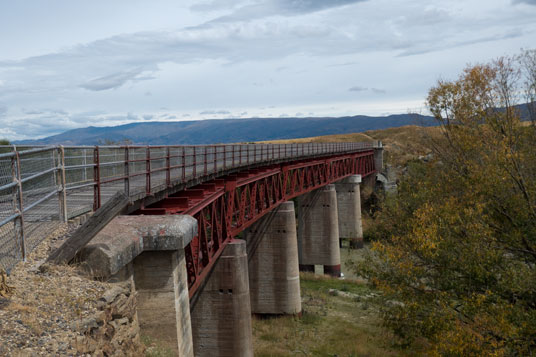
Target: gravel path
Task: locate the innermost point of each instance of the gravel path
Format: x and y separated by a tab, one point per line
42	314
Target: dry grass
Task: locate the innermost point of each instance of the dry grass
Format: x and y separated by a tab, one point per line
330	325
401	144
14	306
5	289
338	138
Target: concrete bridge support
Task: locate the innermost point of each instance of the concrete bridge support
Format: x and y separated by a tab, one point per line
378	157
349	210
274	279
318	231
150	251
221	315
163	303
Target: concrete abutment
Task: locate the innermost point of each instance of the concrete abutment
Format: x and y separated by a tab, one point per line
150	251
163	302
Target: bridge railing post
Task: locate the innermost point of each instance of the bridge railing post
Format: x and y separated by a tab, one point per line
224	157
215	150
205	161
148	171
233	156
96	179
183	174
62	193
17	202
126	173
168	167
194	161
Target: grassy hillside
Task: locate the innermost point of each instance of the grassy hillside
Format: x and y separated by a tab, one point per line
337	323
401	144
228	130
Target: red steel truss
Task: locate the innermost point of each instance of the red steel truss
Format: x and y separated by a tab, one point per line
226	206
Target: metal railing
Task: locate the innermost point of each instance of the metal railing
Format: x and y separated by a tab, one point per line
41	187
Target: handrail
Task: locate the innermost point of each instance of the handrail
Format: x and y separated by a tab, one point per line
76	175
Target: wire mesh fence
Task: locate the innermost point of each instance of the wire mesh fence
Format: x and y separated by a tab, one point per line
41	187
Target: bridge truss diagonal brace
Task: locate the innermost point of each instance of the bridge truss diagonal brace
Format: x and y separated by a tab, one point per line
228	205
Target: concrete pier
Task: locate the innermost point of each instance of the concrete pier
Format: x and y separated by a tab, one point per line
163	302
349	210
318	231
149	250
274	279
378	156
221	316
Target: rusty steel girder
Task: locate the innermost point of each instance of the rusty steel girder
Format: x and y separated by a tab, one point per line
226	206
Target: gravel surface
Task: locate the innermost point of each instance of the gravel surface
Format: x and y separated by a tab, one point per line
42	314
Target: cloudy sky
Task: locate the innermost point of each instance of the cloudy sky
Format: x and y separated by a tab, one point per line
67	64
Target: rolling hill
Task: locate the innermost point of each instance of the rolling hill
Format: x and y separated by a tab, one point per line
228	130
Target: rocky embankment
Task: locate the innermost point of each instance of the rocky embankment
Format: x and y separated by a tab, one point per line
60	311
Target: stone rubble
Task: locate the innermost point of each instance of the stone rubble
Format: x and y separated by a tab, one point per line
58	310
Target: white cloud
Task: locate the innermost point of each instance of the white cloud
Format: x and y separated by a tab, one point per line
244	54
214	112
115	80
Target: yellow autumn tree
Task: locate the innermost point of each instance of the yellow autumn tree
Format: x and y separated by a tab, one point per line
455	252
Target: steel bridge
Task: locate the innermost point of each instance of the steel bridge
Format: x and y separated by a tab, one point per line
225	187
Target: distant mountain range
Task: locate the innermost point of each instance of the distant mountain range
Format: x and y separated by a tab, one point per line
228	130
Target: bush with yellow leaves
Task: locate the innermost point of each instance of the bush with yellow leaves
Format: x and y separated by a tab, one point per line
454	254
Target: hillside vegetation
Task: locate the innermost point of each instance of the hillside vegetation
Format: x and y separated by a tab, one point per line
456	249
454	252
401	144
338	320
196	132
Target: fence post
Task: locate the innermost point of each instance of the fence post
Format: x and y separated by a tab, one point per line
233	164
194	163
127	172
18	207
225	157
96	178
215	148
205	163
168	167
84	176
62	192
148	171
183	162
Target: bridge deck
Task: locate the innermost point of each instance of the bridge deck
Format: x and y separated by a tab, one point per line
31	180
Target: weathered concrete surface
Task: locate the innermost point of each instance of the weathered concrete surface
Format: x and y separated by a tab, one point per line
274	278
378	157
349	210
126	237
163	303
221	317
318	230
